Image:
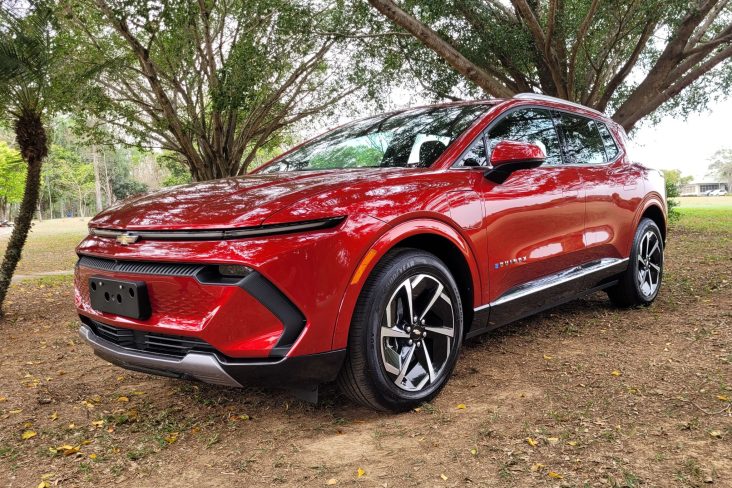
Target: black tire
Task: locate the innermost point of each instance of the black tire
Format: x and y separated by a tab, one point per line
636	283
368	376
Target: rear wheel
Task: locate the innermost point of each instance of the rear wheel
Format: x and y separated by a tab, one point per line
405	334
640	283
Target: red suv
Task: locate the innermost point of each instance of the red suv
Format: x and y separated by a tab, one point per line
368	254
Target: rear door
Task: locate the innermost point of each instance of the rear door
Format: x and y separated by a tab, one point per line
610	185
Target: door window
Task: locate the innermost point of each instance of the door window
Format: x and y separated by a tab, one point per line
530	125
582	140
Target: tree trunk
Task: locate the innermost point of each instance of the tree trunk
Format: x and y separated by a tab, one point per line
107	181
31	137
97	180
50	198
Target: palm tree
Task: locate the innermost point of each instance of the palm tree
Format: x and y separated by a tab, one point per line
26	67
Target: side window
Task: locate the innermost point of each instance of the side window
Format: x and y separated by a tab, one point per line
476	155
582	140
530	125
611	148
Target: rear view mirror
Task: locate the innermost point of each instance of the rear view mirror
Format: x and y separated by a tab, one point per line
510	156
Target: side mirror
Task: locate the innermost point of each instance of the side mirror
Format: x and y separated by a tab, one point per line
510	156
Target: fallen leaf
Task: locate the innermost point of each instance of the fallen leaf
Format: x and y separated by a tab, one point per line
418	409
553	440
716	434
243	417
723	398
92	456
531	442
18	410
68	450
572	443
474	451
54	416
547	357
171	438
138	393
3	399
444	478
616	373
44	484
27	435
360	472
554	475
98	423
537	467
123	399
331	481
461	406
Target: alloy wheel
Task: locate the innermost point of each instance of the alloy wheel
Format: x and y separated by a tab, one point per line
416	333
650	258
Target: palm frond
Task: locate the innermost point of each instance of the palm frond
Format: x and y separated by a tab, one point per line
25	57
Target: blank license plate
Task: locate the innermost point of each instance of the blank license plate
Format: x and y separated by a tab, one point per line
125	298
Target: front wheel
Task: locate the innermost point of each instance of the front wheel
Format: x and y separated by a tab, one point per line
640	283
405	334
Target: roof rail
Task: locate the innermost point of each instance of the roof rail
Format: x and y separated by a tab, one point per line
540	96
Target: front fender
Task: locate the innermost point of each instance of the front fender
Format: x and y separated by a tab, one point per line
387	241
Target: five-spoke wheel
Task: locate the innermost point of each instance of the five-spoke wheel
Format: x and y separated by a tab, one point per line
639	285
649	262
406	332
417	332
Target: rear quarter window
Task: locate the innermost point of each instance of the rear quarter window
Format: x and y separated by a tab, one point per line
611	147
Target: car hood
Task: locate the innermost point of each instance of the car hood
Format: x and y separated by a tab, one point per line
220	204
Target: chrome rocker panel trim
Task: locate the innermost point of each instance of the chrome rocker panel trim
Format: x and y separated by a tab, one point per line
199	366
547	292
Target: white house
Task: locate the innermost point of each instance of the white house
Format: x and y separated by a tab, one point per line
698	189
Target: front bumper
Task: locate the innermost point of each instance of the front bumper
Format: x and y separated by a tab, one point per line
294	372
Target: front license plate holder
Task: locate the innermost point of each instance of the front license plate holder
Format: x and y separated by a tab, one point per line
124	298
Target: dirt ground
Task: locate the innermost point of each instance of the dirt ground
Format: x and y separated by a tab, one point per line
583	395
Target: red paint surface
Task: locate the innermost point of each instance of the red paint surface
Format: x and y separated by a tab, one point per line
555	216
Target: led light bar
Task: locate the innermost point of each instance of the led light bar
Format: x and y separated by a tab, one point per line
209	235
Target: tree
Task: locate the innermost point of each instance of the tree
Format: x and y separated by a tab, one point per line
213	81
27	83
73	174
12	175
633	57
674	182
721	166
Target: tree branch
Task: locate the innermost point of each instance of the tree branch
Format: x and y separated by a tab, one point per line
452	56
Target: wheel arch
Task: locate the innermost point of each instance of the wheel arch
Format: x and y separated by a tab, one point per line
653	210
432	236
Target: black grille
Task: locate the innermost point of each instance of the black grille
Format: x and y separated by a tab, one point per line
171	345
134	267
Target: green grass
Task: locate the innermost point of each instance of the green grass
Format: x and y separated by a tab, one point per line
50	245
707	214
708	220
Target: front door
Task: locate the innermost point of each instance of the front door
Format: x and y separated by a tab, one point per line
534	220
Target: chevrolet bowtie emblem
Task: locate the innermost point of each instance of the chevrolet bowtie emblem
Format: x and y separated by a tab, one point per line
127	239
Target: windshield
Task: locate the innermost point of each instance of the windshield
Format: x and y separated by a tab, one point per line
415	138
